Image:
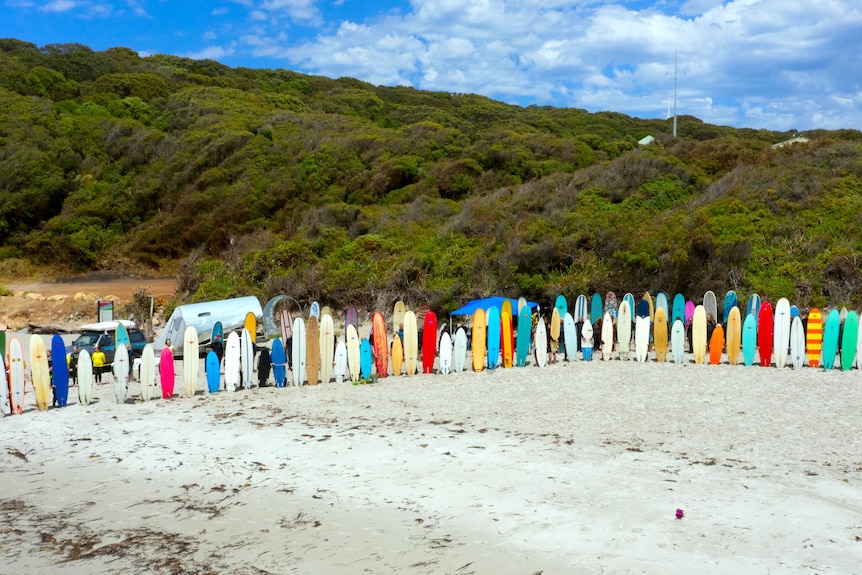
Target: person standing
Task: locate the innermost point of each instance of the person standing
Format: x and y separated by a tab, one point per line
72	362
99	360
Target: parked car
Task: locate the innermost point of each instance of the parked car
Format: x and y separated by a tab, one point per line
102	335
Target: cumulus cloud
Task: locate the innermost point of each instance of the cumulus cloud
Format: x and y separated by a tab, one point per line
211	53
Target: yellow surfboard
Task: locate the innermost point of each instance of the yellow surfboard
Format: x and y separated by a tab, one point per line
39	372
734	335
478	341
251	326
698	334
397	355
660	333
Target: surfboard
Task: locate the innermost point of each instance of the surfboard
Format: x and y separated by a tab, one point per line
730	301
716	345
689	312
445	353
380	344
562	307
246	357
522	303
781	332
678	309
661	302
278	357
232	362
571	336
734	335
814	337
556	326
217	334
611	304
251	325
61	370
587	341
797	343
541	343
85	378
4	384
410	343
459	350
523	337
213	371
859	345
677	338
580	308
16	375
632	303
397	352
327	346
121	336
607	336
39	374
711	306
507	336
648	298
596	308
849	340
753	308
660	334
314	312
166	372
478	339
191	361
698	334
624	329
312	351
286	325
831	332
642	329
749	340
365	358
147	372
340	369
298	351
429	342
351	317
765	334
492	319
398	316
353	353
843	315
120	368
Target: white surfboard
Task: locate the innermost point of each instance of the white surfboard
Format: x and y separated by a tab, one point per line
4	385
327	347
353	353
570	332
121	373
85	378
677	341
298	351
232	362
624	329
340	361
798	356
246	358
586	337
607	336
445	353
459	351
541	342
642	325
781	333
191	361
148	372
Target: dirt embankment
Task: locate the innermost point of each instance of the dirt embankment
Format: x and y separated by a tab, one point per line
64	306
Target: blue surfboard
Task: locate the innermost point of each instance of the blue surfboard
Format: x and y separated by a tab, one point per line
60	370
493	335
213	370
831	329
749	340
678	310
278	357
730	301
753	307
365	359
596	308
522	342
643	308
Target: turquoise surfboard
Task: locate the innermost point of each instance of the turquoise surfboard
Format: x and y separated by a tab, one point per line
365	359
562	308
122	336
493	335
678	309
522	342
213	371
596	308
830	338
749	340
848	340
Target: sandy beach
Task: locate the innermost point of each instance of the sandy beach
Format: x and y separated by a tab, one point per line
574	468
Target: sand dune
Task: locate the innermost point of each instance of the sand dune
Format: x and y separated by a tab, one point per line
575	468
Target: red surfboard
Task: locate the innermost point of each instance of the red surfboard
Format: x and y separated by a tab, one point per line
380	344
765	327
429	342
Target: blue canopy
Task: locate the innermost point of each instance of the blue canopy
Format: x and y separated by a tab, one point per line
486	303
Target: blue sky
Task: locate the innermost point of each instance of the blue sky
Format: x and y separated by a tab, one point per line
776	64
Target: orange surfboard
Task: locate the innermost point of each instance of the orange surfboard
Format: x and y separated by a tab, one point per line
814	337
716	344
397	355
380	344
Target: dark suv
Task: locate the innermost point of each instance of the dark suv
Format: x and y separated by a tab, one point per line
102	335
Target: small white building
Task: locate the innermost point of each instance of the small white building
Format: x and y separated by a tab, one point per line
793	140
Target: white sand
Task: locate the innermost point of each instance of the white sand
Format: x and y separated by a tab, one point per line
575	468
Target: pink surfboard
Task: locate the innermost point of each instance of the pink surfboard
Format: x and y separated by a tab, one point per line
166	372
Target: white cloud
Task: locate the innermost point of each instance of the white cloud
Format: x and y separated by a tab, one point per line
60	6
220	11
211	53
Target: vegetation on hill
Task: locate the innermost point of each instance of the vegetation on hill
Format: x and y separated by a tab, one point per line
270	181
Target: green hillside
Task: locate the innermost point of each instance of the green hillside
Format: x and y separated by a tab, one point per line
270	181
